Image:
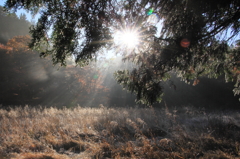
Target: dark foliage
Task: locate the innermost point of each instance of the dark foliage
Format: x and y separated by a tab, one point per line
189	43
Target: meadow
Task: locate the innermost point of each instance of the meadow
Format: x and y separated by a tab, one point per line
121	133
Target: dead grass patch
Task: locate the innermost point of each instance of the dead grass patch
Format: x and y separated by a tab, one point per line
51	133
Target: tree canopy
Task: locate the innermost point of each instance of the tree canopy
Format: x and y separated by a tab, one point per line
193	40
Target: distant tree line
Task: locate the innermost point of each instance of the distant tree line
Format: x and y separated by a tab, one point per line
12	25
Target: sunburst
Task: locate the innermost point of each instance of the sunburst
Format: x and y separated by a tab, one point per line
127	38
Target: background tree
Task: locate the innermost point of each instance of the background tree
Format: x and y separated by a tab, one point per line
12	26
189	43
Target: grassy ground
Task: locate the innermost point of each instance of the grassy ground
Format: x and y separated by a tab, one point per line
78	133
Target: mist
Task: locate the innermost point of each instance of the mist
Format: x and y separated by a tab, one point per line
27	79
208	93
12	25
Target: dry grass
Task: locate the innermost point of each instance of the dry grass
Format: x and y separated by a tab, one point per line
51	133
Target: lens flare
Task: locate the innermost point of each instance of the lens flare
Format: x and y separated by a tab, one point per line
150	11
185	43
95	77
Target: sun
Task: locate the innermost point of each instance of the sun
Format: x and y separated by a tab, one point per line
127	38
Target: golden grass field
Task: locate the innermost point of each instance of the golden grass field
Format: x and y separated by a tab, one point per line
121	133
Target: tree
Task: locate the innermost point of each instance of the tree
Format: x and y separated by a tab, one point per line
189	43
12	26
